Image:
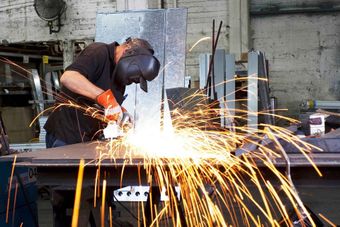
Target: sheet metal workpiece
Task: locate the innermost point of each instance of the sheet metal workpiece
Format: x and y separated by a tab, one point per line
165	29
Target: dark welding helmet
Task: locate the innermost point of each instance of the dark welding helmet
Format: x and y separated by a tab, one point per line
137	64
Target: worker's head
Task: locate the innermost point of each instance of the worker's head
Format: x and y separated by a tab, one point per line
136	63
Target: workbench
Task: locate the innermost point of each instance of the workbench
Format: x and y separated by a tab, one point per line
58	168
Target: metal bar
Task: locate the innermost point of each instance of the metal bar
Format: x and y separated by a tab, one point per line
230	88
263	88
219	81
252	97
48	85
9	54
270	12
71	154
203	69
37	90
321	104
27	146
55	80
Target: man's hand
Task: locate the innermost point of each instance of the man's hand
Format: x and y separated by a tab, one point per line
113	111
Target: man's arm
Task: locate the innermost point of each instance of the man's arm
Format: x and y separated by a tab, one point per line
79	84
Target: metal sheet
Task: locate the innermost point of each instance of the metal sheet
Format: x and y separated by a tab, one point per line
37	90
224	70
204	68
230	86
219	74
263	89
175	44
165	30
252	99
70	155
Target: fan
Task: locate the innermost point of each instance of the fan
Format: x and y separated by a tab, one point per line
50	10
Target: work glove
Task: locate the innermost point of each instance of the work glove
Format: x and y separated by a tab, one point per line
113	111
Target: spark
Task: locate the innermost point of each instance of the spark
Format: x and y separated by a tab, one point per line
102	210
327	220
110	215
77	198
200	40
10	188
197	155
96	187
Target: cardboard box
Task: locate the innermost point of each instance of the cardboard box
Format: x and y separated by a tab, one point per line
17	121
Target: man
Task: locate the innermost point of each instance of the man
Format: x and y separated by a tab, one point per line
99	75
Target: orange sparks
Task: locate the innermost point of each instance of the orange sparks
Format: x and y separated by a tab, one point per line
102	210
77	198
327	220
198	156
10	188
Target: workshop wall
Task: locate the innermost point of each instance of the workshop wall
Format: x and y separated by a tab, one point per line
303	50
199	25
200	16
20	23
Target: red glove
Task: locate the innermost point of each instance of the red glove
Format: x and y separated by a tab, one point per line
113	111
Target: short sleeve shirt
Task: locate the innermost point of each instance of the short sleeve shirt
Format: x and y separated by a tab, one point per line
72	125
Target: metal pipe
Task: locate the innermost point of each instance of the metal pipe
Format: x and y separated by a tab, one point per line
9	54
276	10
319	104
273	105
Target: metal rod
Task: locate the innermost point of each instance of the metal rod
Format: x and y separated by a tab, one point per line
208	83
296	10
9	54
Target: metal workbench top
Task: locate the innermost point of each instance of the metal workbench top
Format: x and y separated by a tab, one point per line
70	156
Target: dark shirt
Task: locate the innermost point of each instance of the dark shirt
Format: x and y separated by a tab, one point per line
71	125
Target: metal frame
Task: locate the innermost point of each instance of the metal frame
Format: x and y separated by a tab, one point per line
225	70
59	167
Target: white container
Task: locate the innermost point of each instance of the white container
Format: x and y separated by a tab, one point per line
317	123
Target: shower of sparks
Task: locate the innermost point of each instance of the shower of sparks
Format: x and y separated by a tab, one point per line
196	154
77	196
216	185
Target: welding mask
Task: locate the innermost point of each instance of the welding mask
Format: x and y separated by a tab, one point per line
137	64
